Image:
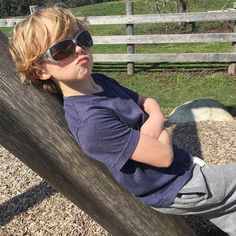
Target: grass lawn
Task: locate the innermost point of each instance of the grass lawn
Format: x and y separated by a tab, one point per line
170	84
7	31
174	88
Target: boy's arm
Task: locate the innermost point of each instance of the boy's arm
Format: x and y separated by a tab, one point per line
155	152
155	144
154	125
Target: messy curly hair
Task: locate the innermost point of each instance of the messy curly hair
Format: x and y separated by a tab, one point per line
31	40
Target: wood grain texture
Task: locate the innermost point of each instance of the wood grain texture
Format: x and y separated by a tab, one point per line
162	18
232	67
130	32
166	57
165	38
33	128
147	18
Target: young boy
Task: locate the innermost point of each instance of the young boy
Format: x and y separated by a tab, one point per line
118	127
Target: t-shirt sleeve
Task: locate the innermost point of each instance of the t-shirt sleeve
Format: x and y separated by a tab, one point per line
132	94
105	138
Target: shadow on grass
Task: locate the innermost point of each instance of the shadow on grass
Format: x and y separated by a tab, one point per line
24	201
159	67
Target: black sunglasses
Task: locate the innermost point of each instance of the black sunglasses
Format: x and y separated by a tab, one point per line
66	47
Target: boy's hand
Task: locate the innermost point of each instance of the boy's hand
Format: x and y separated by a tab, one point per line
154	125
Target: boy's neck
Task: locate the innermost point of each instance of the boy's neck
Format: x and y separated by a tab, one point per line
78	88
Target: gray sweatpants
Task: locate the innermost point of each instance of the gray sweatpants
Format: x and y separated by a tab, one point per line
211	193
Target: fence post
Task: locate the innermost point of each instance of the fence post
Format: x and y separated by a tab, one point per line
130	31
232	66
33	8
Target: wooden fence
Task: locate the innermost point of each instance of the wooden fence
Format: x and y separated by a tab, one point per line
131	40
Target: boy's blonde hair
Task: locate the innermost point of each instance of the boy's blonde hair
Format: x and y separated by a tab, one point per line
31	40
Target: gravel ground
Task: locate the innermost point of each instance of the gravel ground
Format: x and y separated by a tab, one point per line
29	206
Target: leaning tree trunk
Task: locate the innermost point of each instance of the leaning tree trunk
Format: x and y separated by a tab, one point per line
33	128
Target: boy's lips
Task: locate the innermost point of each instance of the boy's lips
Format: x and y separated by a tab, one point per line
83	59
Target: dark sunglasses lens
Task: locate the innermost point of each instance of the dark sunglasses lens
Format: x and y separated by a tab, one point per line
84	39
62	49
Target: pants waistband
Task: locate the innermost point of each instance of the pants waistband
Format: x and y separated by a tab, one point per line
198	161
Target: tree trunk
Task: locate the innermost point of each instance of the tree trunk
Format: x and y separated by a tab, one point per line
33	128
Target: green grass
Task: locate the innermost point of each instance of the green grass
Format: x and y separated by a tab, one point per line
166	48
7	31
101	9
174	88
118	7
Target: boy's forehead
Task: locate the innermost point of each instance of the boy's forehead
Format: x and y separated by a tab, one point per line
71	30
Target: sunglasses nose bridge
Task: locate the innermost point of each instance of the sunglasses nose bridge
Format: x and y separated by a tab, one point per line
76	42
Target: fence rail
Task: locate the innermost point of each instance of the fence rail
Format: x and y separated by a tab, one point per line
146	19
131	40
165	38
166	57
162	18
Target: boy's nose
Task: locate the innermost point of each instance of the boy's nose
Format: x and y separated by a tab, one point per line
78	50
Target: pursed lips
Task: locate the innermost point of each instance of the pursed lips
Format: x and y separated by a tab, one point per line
83	59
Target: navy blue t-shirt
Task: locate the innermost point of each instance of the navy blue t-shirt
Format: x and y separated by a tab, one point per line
106	125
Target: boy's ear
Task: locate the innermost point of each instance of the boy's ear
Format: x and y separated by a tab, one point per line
42	73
